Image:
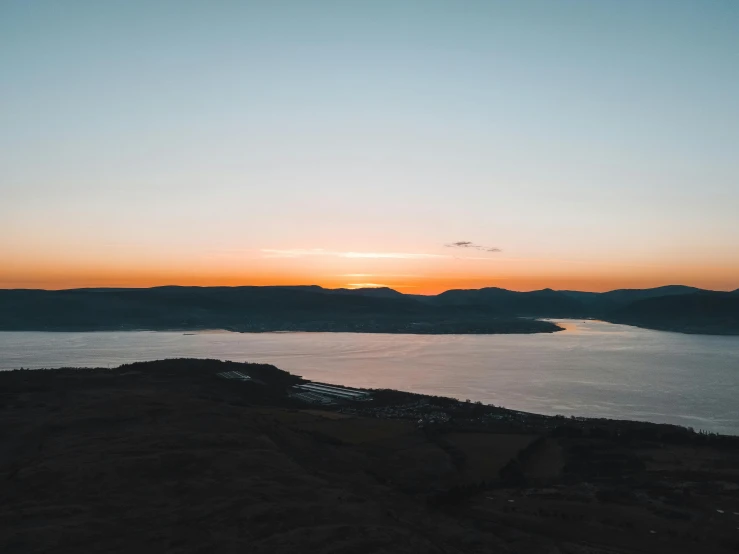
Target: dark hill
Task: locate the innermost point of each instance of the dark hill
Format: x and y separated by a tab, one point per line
313	308
246	309
541	303
172	306
181	306
701	312
374	292
599	303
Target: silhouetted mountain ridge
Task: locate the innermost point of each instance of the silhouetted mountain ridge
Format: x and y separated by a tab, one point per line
309	308
382	309
540	303
705	312
374	292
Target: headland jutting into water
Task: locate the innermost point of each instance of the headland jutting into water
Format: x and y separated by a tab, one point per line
203	455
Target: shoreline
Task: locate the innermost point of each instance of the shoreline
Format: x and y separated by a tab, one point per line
682	330
571	373
519	329
198	462
396	395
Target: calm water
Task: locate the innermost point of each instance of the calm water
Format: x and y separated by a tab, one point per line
592	369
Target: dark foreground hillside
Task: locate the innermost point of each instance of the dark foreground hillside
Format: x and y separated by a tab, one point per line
167	457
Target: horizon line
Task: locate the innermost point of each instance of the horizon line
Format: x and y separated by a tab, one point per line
352	288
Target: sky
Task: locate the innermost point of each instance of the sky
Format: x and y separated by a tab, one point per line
418	144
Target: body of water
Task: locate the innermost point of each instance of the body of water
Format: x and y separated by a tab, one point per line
592	369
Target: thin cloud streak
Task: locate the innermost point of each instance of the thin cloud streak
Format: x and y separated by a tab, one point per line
398	255
470	244
380	275
316	252
294	253
304	252
379	286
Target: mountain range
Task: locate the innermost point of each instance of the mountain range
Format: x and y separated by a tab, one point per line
313	308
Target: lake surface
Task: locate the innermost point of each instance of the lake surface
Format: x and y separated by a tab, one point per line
592	369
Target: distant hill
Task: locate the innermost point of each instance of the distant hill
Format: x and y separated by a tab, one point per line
700	312
540	303
307	308
313	308
374	292
551	303
183	307
604	302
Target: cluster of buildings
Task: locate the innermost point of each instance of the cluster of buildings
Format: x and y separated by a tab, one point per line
420	410
317	393
426	413
237	375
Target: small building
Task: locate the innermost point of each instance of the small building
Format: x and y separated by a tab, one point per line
237	375
332	391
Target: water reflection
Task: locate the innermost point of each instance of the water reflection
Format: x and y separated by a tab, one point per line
591	369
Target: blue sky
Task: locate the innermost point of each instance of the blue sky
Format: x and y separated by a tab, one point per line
145	142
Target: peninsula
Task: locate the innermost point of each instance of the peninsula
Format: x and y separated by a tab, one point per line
192	456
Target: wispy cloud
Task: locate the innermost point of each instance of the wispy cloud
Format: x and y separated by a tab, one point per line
398	255
378	275
305	252
378	285
470	244
294	252
320	252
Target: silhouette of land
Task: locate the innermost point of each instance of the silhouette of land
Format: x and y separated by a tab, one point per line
249	309
704	312
168	457
381	310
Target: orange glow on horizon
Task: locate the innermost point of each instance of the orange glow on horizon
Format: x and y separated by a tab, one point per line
426	274
417	285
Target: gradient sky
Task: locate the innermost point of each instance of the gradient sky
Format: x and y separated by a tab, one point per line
595	143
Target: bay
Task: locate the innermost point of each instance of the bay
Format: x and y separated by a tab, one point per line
591	369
